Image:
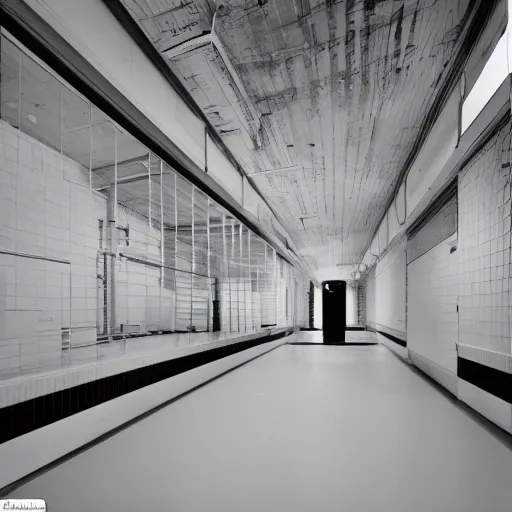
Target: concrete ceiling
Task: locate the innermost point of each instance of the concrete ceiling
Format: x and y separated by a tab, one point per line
319	100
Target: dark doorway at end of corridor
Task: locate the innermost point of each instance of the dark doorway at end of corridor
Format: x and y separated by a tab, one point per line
334	305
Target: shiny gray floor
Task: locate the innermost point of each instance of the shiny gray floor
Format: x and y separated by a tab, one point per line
302	428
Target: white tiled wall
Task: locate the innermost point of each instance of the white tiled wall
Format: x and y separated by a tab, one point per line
45	211
390	291
48	210
140	300
476	277
34	306
371	300
240	307
484	248
351	304
432	291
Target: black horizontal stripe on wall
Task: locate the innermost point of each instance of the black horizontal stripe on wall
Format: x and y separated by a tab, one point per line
339	344
398	341
22	418
355	328
493	381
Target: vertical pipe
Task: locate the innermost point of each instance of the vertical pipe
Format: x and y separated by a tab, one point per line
250	276
149	189
162	248
115	178
105	294
113	225
99	311
258	289
241	273
113	293
208	271
175	251
208	237
90	146
61	119
265	283
70	309
193	259
225	263
20	95
232	260
276	274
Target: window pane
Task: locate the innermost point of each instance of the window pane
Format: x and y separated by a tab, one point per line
76	130
40	104
9	92
103	155
201	284
184	256
492	76
169	211
215	218
133	160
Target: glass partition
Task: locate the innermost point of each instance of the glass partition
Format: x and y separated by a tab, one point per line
113	245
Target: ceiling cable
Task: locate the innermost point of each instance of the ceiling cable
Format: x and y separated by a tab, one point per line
405	203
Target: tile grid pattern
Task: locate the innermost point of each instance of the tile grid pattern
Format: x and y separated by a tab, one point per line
432	323
484	247
361	304
47	210
390	294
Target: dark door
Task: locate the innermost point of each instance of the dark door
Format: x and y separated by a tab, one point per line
334	305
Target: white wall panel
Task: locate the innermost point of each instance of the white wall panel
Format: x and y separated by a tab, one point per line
390	290
318	311
435	153
251	199
484	247
432	320
351	304
223	172
371	300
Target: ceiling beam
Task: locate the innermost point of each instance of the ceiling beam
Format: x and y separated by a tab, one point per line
188	46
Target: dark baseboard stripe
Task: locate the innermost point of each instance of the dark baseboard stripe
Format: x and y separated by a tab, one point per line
493	381
398	341
340	344
355	328
22	418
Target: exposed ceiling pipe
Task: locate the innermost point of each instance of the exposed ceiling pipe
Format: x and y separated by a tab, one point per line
236	79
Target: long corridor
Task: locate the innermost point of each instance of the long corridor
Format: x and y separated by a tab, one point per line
302	428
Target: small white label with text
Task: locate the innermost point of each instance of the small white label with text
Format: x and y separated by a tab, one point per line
18	504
